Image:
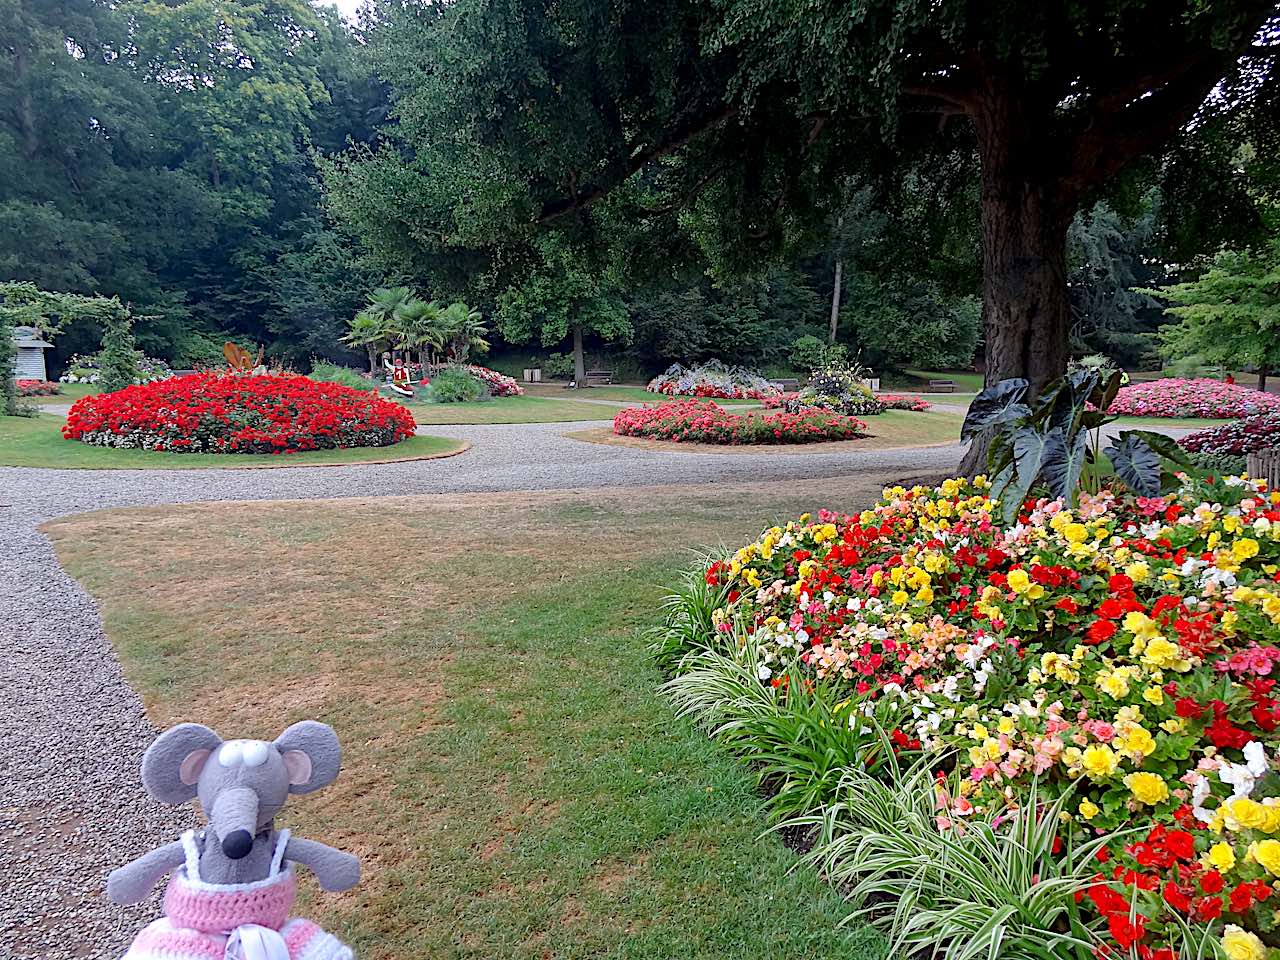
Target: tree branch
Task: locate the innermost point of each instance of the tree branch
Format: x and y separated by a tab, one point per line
1113	139
638	158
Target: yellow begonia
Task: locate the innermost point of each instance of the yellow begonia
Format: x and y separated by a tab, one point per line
1099	761
1267	853
1221	856
1147	788
1075	532
1153	696
1137	743
1019	581
1089	809
1240	944
1246	548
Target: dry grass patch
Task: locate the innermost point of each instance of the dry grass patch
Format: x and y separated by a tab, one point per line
511	779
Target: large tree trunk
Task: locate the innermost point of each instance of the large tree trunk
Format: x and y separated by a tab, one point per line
1262	378
835	305
373	358
579	363
1025	215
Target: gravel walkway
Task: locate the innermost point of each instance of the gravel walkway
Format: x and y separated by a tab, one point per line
72	731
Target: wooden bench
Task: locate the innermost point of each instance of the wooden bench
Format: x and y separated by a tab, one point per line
599	376
786	384
942	386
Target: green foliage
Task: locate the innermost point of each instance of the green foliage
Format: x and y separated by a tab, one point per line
1058	441
455	385
915	326
1111	256
328	372
1231	313
558	366
1218	464
810	353
991	887
118	361
159	153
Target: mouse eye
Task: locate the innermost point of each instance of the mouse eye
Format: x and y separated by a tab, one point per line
231	754
255	753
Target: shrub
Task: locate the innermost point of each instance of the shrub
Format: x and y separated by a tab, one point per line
712	380
82	369
232	413
1089	685
694	421
1210	399
326	372
455	385
118	362
497	384
1238	439
558	366
38	388
810	353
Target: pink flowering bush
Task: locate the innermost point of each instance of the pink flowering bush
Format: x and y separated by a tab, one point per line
695	421
1176	397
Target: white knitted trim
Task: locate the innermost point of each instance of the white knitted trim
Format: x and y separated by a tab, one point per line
190	873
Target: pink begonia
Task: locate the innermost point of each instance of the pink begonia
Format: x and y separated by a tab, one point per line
1177	397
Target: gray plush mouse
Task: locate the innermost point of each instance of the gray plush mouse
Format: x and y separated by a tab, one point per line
234	880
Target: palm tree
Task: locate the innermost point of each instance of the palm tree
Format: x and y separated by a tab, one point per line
374	326
417	326
465	330
367	329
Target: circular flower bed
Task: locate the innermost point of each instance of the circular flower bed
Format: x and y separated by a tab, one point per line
229	413
1209	399
1241	437
694	421
1113	664
712	380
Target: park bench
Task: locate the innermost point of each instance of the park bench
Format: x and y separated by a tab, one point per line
786	384
599	377
942	386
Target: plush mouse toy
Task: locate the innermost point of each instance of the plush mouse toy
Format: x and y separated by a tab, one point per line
232	884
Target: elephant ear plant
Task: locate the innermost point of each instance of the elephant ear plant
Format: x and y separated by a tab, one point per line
1056	440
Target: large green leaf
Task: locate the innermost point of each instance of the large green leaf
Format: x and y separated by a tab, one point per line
1029	445
1136	464
998	404
1163	445
1063	461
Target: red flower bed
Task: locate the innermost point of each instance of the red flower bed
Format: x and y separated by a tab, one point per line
694	421
38	388
1204	398
228	413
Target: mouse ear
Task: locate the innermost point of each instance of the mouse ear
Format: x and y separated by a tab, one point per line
311	754
172	764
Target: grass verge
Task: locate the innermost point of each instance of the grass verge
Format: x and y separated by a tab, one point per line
514	783
38	442
526	409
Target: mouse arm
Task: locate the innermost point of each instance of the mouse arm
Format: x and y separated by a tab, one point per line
132	882
336	871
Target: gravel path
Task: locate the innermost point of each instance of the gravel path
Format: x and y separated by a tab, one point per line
72	731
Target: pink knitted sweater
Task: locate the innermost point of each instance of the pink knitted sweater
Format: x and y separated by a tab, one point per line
242	921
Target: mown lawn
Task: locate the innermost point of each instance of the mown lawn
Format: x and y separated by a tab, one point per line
38	442
515	784
69	393
526	409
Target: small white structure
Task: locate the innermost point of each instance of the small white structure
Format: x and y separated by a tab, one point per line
30	348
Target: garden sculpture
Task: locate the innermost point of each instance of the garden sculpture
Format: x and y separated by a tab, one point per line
401	379
232	884
241	360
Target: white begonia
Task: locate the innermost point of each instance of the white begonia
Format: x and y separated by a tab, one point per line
1255	758
763	672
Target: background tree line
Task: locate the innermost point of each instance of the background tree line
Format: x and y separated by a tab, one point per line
254	170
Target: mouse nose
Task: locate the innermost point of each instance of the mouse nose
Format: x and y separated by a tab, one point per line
237	844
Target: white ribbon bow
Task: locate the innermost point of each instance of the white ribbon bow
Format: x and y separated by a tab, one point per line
252	942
